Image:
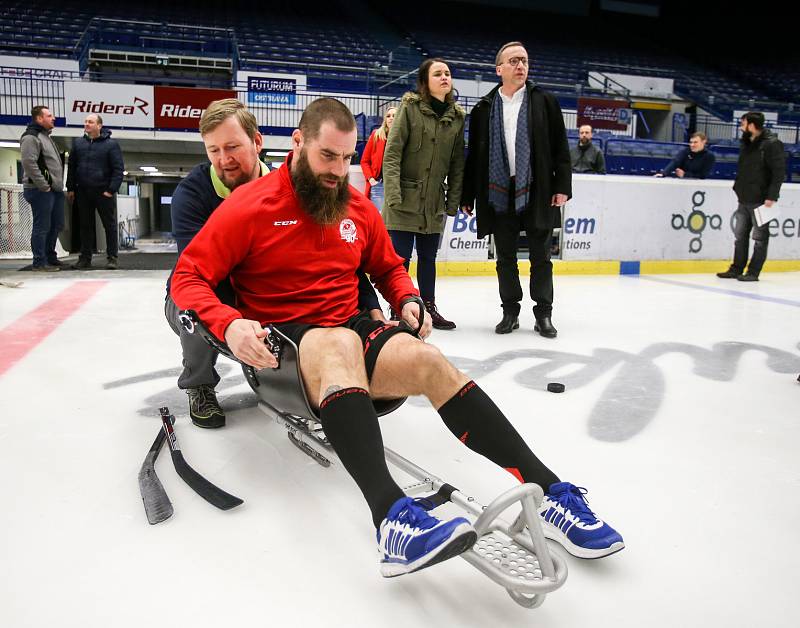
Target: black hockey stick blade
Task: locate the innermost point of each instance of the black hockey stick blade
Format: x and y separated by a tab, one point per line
156	503
205	489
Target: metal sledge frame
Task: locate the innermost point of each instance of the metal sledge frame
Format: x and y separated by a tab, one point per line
515	556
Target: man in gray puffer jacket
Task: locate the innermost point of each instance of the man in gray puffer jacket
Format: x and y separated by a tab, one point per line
43	188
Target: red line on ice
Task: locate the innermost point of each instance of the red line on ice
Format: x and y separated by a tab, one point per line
17	339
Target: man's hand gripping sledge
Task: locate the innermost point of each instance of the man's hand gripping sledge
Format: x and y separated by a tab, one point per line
248	341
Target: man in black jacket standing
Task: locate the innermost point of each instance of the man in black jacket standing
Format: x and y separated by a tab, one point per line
95	174
518	169
759	175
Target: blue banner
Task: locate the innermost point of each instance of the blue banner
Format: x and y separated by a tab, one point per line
271	90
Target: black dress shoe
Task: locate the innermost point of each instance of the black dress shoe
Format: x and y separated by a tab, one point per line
545	327
747	277
728	274
507	325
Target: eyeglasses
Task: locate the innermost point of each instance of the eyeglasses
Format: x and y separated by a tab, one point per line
515	61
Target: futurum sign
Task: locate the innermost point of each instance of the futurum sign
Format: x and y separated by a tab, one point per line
264	90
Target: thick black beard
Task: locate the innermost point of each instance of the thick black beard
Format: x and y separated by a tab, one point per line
747	136
327	206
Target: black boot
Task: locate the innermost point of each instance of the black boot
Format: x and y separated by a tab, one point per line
439	321
508	324
204	409
545	327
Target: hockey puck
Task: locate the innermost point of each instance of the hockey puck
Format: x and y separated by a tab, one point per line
555	387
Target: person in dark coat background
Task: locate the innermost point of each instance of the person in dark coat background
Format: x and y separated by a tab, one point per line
586	157
518	168
759	175
95	174
692	162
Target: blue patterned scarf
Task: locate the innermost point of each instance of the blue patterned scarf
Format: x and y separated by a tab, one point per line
499	171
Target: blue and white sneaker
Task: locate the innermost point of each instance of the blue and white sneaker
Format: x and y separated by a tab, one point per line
567	519
410	539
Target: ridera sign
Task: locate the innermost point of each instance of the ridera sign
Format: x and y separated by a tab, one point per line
181	107
119	105
139	106
108	108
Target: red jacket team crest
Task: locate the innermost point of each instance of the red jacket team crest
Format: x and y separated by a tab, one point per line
347	229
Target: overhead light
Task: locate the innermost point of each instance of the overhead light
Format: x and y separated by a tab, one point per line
124	173
148	168
7	144
277	153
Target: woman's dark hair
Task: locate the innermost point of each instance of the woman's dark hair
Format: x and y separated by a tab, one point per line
422	80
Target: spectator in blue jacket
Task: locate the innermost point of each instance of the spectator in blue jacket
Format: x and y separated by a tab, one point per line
693	162
95	174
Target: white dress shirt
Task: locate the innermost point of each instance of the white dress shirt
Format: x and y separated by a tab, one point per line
510	115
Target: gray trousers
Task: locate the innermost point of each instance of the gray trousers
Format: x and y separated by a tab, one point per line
745	222
199	357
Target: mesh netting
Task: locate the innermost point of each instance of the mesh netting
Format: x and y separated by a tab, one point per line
16	222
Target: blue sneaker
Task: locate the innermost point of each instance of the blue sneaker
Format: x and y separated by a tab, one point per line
567	519
410	539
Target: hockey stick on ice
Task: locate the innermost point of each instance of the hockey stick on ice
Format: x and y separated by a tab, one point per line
212	494
156	503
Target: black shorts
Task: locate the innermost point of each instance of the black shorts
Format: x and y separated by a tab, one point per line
373	334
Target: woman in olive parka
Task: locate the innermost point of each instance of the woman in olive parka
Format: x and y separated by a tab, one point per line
423	170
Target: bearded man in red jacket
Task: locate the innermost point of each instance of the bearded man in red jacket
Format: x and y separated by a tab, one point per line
291	243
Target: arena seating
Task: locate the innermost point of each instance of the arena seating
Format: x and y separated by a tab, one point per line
338	53
289	34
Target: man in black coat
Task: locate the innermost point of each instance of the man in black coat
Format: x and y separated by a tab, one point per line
693	162
95	174
759	175
518	169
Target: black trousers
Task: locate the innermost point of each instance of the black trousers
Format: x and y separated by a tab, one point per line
427	247
507	228
89	200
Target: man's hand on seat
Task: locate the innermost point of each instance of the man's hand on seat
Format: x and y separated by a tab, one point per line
410	314
246	340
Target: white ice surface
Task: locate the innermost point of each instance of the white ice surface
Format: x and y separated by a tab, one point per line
680	416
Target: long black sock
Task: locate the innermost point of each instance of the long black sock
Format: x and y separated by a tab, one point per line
478	423
351	425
